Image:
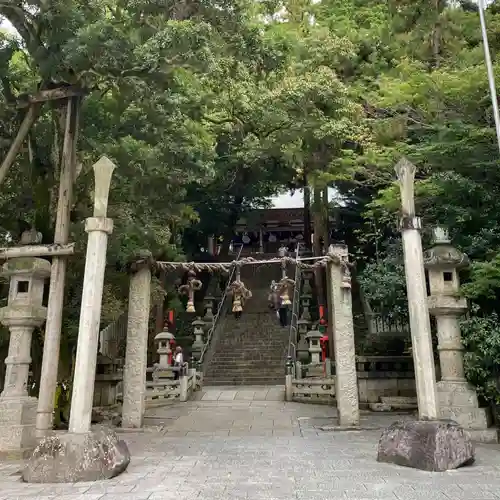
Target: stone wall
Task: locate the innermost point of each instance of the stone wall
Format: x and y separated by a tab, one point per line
384	376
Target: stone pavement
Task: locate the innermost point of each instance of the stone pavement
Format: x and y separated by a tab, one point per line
248	444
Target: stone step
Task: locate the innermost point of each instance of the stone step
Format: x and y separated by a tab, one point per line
239	350
238	381
249	361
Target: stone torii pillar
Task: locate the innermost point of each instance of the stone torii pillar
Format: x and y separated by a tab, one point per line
98	227
423	358
136	357
346	379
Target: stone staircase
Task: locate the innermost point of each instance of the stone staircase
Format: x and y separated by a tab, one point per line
251	350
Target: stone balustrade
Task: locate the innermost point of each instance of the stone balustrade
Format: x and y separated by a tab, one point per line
163	389
377	376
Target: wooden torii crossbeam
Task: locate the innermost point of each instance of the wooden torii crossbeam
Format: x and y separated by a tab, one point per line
33	103
71	95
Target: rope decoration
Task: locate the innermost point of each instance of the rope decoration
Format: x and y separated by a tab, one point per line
226	267
240	294
285	289
237	288
189	288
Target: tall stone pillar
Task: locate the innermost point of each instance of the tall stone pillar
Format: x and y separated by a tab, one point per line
423	358
346	381
134	377
457	399
98	228
23	313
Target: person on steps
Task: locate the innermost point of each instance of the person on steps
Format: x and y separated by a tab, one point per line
283	313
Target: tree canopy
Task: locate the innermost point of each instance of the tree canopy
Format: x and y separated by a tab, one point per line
210	107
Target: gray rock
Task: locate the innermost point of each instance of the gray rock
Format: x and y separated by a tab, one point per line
435	445
70	458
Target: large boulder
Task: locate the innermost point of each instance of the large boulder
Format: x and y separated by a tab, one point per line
433	445
69	458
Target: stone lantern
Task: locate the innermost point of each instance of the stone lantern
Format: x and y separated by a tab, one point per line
23	313
208	319
457	399
302	344
304	322
314	345
164	339
198	343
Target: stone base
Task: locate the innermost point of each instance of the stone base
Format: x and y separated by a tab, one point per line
458	402
426	445
489	435
17	425
70	458
315	370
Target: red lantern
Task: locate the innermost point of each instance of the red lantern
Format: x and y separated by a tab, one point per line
321	313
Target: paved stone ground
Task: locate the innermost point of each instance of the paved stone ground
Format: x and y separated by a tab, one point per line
249	444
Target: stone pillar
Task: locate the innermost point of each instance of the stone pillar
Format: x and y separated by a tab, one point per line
425	372
346	384
134	379
24	312
457	399
98	228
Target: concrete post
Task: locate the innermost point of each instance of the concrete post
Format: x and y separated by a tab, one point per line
346	385
134	377
425	372
52	338
98	228
183	385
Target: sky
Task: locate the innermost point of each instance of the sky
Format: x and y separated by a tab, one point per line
295	200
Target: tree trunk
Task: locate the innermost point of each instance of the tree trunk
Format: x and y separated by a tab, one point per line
160	306
317	250
326	219
231	224
28	121
307	213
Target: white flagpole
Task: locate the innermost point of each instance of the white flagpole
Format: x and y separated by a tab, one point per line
489	68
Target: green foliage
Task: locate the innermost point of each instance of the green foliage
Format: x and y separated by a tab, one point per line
481	338
208	108
384	286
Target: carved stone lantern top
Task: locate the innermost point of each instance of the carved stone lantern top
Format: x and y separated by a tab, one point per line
443	255
198	323
314	334
164	335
